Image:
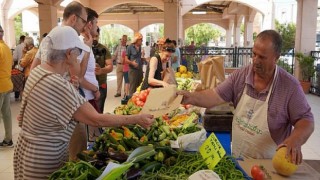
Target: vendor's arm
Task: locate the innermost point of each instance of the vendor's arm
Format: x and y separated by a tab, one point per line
86	114
207	98
301	118
300	134
152	70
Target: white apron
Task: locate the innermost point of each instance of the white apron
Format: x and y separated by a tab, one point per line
250	131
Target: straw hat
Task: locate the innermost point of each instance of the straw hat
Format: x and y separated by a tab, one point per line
136	37
161	41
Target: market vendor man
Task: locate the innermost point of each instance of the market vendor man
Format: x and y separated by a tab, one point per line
268	102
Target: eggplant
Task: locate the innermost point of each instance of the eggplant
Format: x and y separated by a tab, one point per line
118	156
102	155
133	174
99	164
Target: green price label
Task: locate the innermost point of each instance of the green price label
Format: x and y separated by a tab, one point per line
212	151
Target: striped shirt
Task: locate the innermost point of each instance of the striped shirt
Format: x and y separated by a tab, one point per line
47	108
287	102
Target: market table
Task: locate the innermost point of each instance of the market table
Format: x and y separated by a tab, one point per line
309	169
315	164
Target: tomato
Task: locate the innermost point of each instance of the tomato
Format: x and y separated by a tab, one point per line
257	173
143	96
142	104
149	89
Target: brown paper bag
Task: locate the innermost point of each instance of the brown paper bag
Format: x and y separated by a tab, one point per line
161	101
211	71
168	76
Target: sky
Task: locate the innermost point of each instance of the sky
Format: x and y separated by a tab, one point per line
285	10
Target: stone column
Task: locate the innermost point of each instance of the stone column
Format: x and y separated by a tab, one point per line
236	30
180	27
171	19
248	33
229	33
48	18
306	29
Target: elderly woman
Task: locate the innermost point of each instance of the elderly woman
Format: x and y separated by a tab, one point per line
158	63
49	106
27	59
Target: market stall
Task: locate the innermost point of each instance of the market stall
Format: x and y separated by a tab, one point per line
183	143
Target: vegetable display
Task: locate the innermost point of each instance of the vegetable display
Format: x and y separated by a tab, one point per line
76	170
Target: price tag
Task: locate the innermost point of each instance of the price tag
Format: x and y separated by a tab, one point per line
212	151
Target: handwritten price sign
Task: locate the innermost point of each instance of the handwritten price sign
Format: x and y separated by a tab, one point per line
212	151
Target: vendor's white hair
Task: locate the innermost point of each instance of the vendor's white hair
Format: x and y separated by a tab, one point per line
28	41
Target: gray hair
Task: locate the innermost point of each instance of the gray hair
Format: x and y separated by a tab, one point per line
28	41
275	37
52	55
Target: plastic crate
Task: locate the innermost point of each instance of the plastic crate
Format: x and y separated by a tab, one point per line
225	140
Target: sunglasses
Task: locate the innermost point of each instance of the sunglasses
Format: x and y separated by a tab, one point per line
169	49
83	20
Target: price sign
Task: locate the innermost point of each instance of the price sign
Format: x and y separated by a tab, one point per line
212	151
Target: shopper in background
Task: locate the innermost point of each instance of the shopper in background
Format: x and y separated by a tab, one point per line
90	87
146	52
271	109
125	77
17	55
18	51
133	58
6	86
103	66
27	59
49	106
175	59
117	56
75	16
158	63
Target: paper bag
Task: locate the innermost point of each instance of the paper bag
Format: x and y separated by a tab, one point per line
161	101
211	72
168	76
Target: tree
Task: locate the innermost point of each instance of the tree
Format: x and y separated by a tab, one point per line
110	35
202	33
18	27
288	34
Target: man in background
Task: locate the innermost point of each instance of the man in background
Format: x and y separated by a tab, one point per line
17	55
103	67
133	58
117	56
175	59
6	86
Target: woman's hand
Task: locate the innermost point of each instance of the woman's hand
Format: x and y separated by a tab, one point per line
145	120
75	81
164	84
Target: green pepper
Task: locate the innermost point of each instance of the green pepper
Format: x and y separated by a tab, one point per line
159	156
165	129
162	136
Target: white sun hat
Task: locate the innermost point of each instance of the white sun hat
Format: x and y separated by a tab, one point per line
65	37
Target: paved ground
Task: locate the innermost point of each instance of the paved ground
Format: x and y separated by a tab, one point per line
310	149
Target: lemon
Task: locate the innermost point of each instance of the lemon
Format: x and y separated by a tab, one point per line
184	75
178	74
283	165
182	69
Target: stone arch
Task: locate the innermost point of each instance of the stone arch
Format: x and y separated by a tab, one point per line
126	25
143	25
101	6
260	7
222	25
